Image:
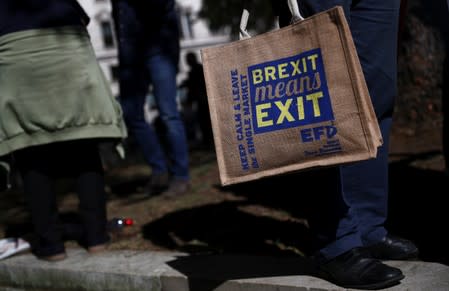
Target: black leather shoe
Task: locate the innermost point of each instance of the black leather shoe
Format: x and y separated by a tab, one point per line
393	248
355	270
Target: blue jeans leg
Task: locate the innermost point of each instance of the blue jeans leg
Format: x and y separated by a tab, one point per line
162	71
132	99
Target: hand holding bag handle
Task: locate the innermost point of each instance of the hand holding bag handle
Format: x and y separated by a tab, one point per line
292	5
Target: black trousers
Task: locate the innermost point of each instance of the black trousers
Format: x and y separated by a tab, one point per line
40	167
354	201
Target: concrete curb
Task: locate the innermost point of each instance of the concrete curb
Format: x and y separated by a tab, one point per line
142	270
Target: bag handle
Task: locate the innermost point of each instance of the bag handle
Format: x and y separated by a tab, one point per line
294	10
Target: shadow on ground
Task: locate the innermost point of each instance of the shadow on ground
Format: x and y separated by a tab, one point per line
417	211
206	272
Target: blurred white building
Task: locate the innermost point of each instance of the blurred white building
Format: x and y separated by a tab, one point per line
194	35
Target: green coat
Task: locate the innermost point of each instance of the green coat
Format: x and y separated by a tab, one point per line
52	89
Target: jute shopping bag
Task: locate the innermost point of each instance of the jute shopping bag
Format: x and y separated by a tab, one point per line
290	99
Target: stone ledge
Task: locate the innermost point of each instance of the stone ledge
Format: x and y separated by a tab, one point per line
142	270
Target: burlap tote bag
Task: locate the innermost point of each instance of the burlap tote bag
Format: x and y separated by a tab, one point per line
290	99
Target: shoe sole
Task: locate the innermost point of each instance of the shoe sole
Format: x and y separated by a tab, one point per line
381	285
376	286
406	257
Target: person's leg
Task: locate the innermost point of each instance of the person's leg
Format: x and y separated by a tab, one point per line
364	185
144	133
36	167
374	25
162	71
336	224
87	170
333	222
342	260
133	78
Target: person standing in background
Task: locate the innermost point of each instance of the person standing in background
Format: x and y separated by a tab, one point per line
196	94
148	44
55	109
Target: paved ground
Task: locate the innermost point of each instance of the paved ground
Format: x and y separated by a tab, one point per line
169	271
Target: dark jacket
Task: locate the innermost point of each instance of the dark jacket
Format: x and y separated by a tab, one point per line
151	25
18	15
